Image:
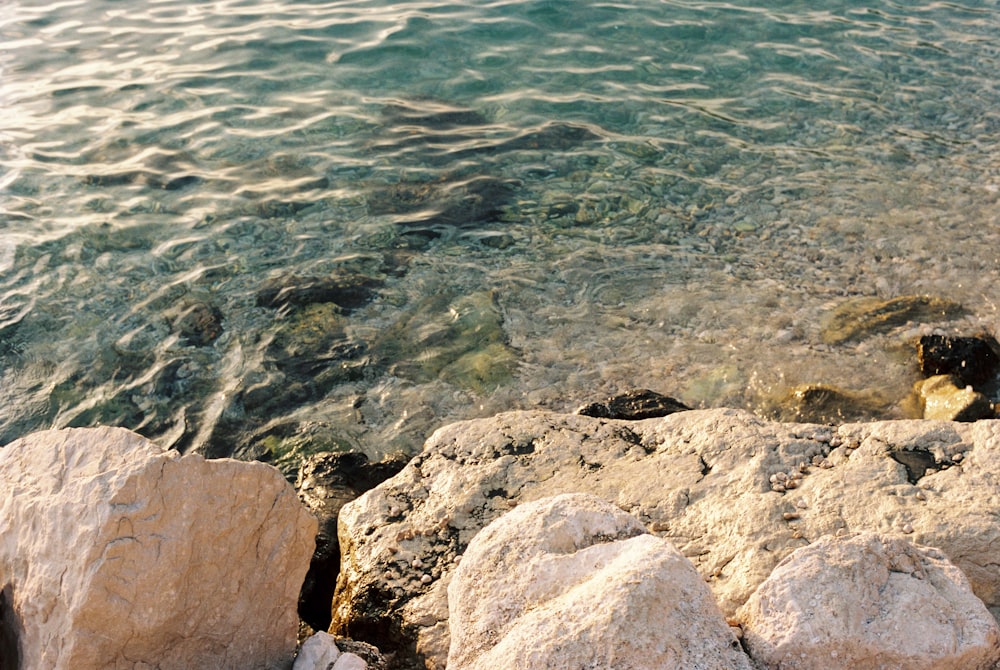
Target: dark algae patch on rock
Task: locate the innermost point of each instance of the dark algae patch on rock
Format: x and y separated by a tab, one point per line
859	318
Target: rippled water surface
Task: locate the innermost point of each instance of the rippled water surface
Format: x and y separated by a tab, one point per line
268	227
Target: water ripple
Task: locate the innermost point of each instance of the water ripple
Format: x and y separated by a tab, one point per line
638	180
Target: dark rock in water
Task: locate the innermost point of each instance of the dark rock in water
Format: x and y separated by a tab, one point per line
433	132
313	340
436	127
327	482
554	136
430	115
178	183
945	398
973	360
348	291
199	324
462	143
819	403
312	353
435	206
634	405
863	317
143	178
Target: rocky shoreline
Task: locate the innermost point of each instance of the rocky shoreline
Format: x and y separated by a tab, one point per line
702	539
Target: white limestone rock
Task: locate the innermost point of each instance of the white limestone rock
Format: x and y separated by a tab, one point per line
733	493
320	652
573	582
118	554
866	602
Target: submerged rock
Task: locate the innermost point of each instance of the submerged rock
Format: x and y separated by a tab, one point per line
821	403
115	553
198	323
735	494
574	582
431	208
858	318
972	360
313	352
554	136
469	193
348	291
634	405
866	602
460	340
942	398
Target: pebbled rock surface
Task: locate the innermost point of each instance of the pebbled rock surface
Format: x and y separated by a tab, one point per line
567	581
734	493
867	602
117	554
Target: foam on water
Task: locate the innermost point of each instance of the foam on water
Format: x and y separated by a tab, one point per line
556	200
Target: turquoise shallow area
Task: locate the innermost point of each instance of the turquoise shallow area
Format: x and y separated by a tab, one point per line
551	201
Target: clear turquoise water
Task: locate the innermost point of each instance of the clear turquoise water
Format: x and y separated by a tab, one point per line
678	191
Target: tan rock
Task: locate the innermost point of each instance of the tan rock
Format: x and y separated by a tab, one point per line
571	582
733	493
943	399
117	554
866	602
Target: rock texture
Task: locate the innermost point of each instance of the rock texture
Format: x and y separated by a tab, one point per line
573	582
634	405
117	554
941	397
973	360
735	494
325	483
867	602
320	652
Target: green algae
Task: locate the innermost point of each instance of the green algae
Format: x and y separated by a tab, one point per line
458	340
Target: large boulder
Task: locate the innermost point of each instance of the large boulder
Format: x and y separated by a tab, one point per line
117	554
734	493
573	582
867	602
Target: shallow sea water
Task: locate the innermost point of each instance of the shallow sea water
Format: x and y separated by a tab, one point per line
555	201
